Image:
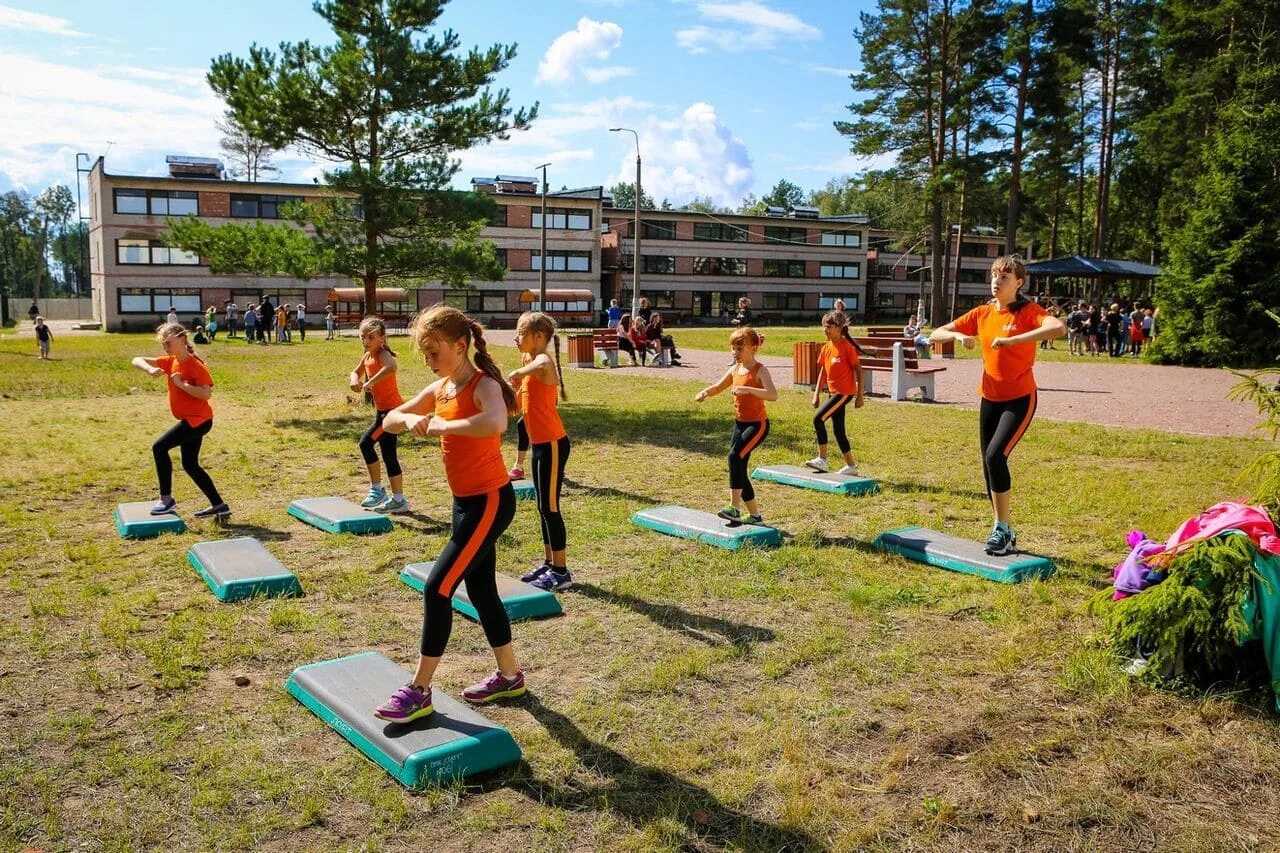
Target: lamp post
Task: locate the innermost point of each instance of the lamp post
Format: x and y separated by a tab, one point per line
635	256
542	263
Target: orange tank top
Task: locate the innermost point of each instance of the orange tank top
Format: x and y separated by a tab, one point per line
386	394
473	465
538	404
748	407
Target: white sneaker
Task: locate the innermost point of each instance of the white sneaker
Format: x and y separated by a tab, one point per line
818	464
849	471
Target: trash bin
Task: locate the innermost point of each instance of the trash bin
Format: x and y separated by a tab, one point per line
581	351
944	349
804	362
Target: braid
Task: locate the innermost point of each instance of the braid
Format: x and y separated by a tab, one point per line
844	333
555	340
484	361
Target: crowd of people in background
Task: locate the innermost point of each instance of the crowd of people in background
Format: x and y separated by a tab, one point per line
644	335
1117	331
260	322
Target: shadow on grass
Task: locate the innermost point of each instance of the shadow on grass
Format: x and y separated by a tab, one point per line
642	795
707	629
425	523
262	534
699	430
907	488
609	491
348	428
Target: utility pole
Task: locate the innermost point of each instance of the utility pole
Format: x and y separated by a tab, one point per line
542	265
635	265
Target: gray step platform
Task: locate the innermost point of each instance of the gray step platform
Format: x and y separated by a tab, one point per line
807	478
339	515
135	521
705	527
452	742
241	568
519	599
962	555
524	489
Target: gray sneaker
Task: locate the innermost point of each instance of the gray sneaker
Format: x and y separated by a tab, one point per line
391	505
376	496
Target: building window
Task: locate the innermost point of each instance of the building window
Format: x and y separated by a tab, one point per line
577	307
784	301
840	270
827	301
719	266
157	202
499	217
658	264
261	206
973	250
969	276
849	239
487	301
725	302
563	218
775	268
136	300
658	230
562	261
660	298
778	234
719	231
502	258
153	252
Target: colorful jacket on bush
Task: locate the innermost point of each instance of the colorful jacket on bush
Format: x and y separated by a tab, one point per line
1133	575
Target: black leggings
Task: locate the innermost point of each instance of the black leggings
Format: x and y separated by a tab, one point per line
189	438
386	442
470	555
549	459
522	437
1001	425
832	410
747	435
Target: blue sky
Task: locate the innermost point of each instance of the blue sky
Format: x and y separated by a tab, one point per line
728	95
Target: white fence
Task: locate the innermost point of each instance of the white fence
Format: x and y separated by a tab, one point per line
53	309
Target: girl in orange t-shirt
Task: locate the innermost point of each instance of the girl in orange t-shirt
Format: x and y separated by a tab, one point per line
375	374
840	366
190	387
468	408
752	386
1007	327
539	381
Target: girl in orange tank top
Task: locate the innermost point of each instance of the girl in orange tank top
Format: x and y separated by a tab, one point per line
540	380
375	374
752	386
468	408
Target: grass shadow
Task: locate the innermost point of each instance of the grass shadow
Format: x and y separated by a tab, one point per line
696	431
348	428
707	629
907	488
643	795
610	492
425	523
257	531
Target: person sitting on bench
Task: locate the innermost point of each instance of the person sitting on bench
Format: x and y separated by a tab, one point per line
659	341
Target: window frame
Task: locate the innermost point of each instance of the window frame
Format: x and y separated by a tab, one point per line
790	238
717	231
844	266
669	265
738	265
842	238
790	269
565	255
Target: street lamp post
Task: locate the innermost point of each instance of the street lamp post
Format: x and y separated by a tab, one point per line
635	255
542	263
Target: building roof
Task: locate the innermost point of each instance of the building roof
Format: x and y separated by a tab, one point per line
1082	267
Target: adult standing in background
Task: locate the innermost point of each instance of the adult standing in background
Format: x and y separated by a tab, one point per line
232	313
34	311
743	315
645	311
266	319
302	322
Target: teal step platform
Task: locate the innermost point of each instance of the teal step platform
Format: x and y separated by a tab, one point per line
524	489
705	527
241	568
807	478
339	515
135	521
519	599
452	742
962	555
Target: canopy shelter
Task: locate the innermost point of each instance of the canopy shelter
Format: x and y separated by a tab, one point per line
395	305
1092	278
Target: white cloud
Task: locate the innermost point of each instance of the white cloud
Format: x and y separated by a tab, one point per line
567	57
20	19
832	70
743	25
849	164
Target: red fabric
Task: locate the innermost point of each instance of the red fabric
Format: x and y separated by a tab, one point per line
1252	521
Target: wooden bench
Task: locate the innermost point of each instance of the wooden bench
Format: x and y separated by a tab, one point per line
584	344
897	357
945	349
606	341
884	331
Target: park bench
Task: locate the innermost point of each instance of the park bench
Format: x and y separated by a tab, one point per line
943	349
583	347
897	357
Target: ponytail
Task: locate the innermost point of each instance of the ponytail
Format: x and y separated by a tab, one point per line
838	318
484	361
555	341
168	331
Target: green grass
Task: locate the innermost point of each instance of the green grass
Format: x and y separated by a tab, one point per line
816	696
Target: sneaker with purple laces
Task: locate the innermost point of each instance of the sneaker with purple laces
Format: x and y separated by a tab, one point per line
536	572
408	703
496	686
553	580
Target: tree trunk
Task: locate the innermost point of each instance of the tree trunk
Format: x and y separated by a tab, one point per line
40	260
1084	116
1014	211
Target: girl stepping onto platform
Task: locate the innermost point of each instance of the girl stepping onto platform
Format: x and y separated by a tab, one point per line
1007	327
375	374
752	386
190	387
537	384
468	408
839	365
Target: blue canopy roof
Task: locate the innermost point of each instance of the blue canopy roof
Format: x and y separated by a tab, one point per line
1082	267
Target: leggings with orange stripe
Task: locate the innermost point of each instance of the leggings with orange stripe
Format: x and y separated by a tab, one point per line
469	556
548	478
747	435
1001	425
832	410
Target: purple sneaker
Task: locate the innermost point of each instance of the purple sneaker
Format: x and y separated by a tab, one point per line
536	572
496	686
552	580
405	705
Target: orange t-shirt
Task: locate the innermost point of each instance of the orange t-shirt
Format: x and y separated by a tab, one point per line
185	407
538	404
840	360
386	394
1006	372
748	407
473	465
